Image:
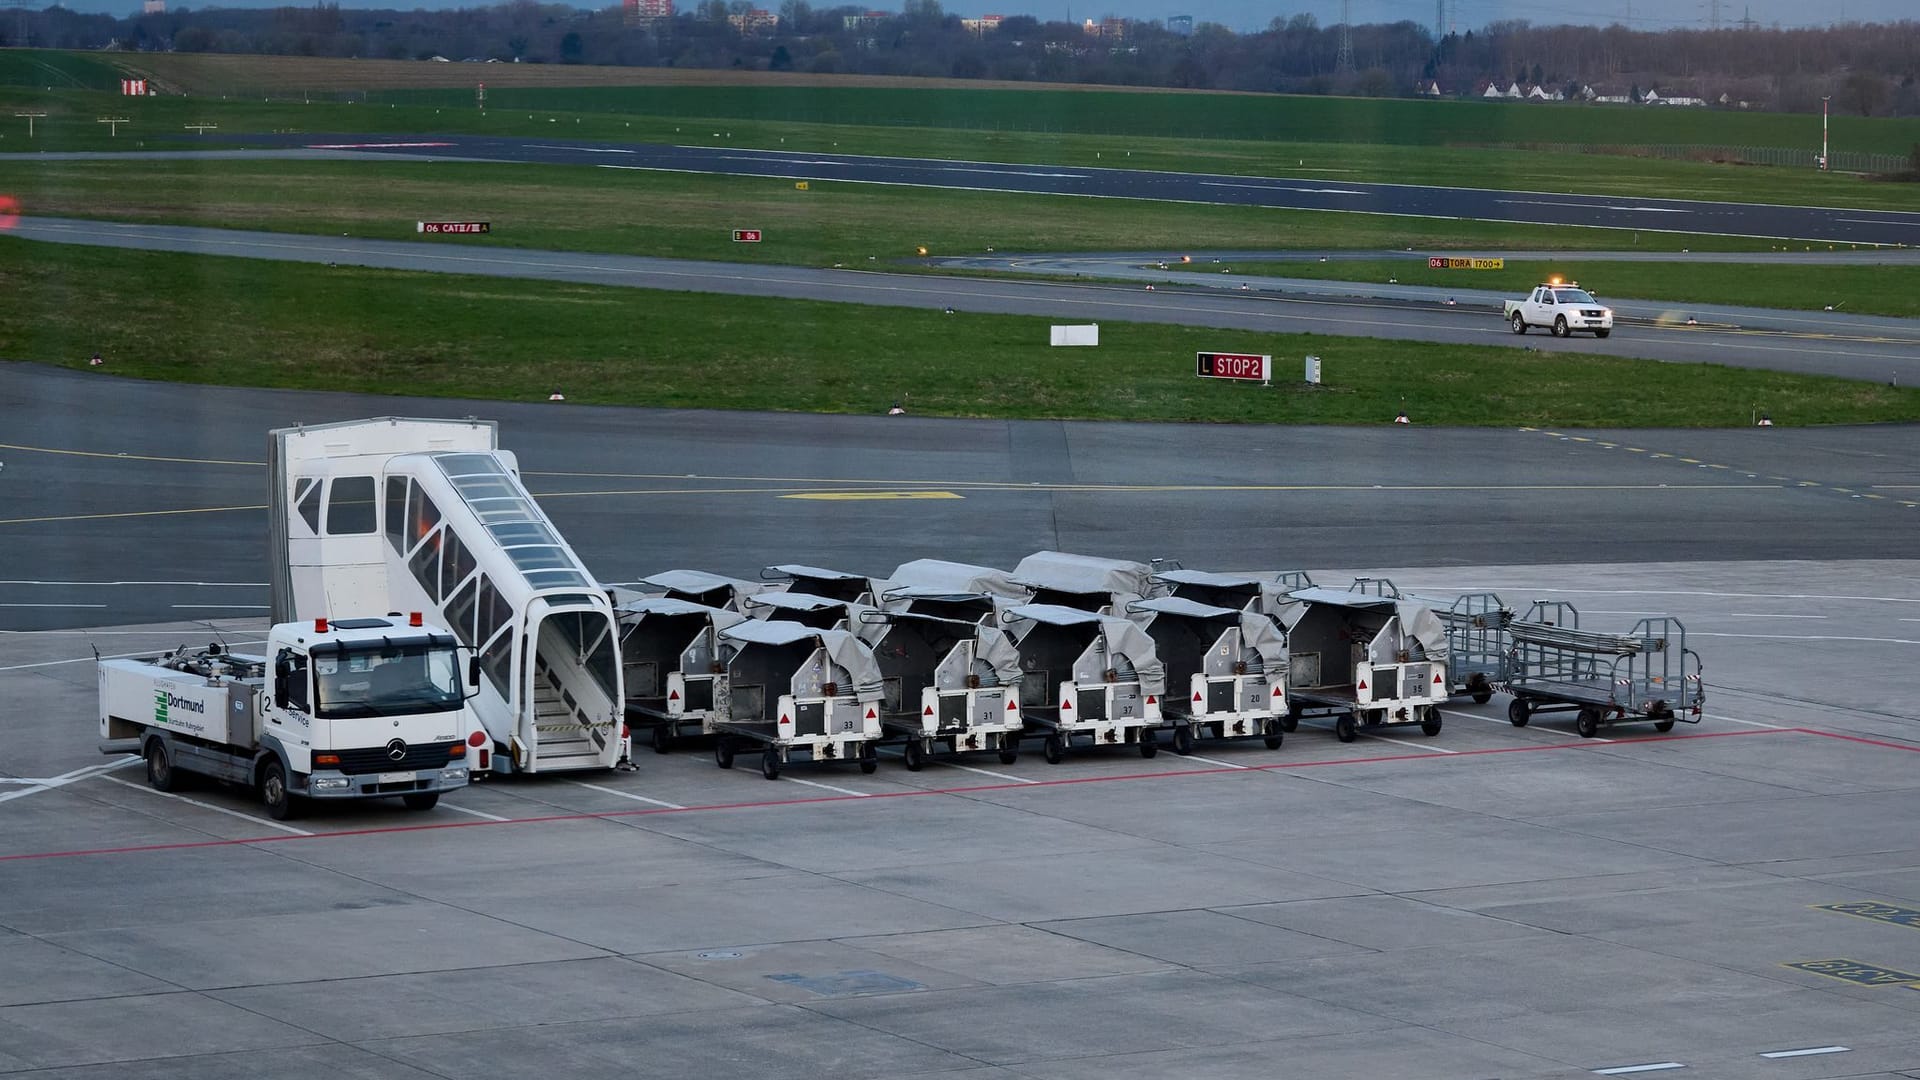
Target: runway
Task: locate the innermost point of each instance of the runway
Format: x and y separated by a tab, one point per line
1835	224
1818	343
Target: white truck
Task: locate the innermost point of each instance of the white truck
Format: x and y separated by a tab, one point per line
1562	309
348	709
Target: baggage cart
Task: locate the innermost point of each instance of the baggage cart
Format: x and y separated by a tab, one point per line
960	579
1364	656
951	685
796	691
1646	675
699	586
1084	581
669	659
819	581
1086	676
819	612
1233	664
1478	645
1262	592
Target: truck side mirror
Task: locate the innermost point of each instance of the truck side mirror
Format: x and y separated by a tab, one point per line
281	668
473	671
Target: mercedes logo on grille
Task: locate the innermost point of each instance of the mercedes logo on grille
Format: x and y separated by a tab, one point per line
397	750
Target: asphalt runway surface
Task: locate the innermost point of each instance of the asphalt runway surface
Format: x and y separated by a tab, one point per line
1736	899
1821	224
1816	343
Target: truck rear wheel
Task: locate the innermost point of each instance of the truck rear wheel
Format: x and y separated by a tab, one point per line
1519	323
421	800
280	802
160	774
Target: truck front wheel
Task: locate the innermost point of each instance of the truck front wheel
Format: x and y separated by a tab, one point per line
1560	327
280	801
1519	323
160	774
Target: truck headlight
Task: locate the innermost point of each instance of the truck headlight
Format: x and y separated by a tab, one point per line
329	783
453	776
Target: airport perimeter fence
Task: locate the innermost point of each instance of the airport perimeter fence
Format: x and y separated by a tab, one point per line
1792	157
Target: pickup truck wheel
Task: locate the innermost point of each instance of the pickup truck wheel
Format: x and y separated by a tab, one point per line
422	800
1560	326
280	802
160	774
1519	323
1601	333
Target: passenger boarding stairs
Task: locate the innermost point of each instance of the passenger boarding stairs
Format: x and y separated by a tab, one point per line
567	738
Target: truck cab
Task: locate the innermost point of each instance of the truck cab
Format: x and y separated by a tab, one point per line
341	709
1561	307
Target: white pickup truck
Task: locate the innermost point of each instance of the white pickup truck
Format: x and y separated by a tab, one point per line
1562	309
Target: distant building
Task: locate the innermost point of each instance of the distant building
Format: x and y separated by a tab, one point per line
1181	25
153	7
1111	28
982	25
864	20
755	21
1431	89
645	12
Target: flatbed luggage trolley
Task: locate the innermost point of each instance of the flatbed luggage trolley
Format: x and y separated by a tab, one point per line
1233	664
1478	645
952	685
1364	657
670	659
1645	675
1086	676
796	690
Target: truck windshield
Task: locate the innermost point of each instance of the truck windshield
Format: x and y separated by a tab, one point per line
1572	296
381	679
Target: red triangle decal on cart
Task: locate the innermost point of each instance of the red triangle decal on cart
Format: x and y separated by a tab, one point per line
1362	686
1196	695
1013	706
1149	699
928	711
673	695
1065	706
871	714
1436	678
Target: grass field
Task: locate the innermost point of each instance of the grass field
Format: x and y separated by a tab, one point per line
1872	290
681	216
198	319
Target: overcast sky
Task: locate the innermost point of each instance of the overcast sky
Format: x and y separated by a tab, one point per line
1245	15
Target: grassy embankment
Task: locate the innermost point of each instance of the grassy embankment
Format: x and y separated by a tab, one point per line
283	325
1873	290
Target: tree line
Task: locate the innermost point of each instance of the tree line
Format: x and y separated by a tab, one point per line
1868	69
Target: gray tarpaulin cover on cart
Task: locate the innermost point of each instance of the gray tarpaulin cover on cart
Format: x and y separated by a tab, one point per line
956	577
1124	638
817	572
1066	572
700	581
845	650
667	605
1417	620
1272	593
793	601
992	647
1257	631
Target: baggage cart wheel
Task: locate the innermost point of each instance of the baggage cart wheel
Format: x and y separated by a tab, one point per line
1519	712
1663	726
663	738
723	752
869	758
1183	740
1009	750
1347	728
1053	749
1149	745
1587	723
421	800
281	803
1430	722
1272	729
770	764
914	754
1480	688
1290	722
160	774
